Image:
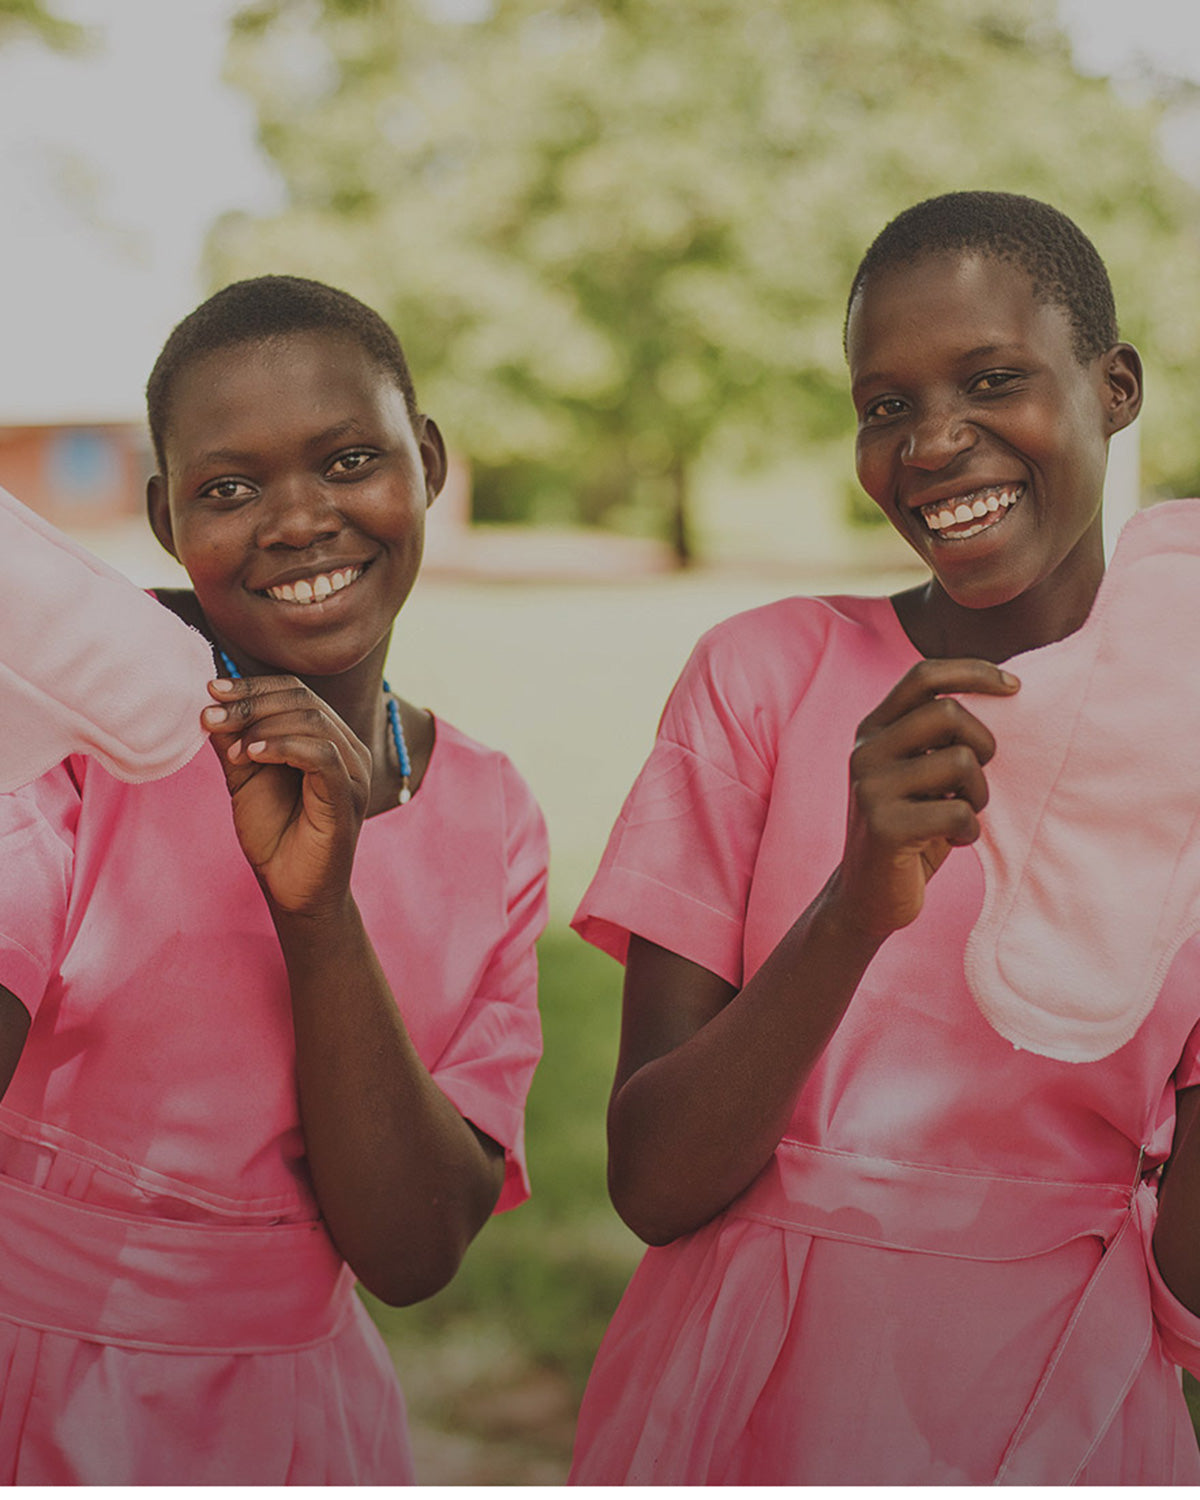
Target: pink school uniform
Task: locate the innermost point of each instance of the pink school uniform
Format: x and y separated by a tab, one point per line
172	1309
944	1274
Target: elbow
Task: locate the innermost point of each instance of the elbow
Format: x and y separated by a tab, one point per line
403	1280
412	1267
657	1202
408	1285
652	1217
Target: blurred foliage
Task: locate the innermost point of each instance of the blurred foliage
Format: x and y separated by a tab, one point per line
31	18
611	231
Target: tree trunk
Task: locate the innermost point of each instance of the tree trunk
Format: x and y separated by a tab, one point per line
679	520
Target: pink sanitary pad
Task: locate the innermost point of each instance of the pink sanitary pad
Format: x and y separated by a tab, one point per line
89	663
1091	838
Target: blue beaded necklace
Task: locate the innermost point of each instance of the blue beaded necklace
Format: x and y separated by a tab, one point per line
393	713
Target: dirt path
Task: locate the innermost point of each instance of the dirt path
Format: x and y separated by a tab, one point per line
481	1413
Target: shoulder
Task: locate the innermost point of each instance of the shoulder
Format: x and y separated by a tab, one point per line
482	779
755	667
773	643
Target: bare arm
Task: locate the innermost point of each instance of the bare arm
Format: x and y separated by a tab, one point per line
14	1028
1177	1230
404	1182
708	1076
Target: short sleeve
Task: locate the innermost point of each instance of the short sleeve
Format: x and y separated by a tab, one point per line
37	845
486	1068
679	862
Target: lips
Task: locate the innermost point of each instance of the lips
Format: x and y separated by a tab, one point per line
961	516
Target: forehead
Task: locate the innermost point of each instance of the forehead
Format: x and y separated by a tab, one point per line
283	385
952	304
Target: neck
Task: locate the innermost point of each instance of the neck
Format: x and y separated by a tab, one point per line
356	695
1050	611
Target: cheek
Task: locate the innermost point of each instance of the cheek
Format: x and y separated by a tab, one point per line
871	467
208	553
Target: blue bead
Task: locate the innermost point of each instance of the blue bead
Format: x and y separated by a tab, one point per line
398	740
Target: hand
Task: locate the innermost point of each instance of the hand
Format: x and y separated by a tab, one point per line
916	789
299	781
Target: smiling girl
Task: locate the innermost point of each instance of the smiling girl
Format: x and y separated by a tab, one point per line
877	1225
273	1027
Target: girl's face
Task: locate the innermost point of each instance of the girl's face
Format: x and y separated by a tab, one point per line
295	495
981	436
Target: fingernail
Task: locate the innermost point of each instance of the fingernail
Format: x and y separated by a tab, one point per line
256	747
234	750
1009	680
223	685
215	715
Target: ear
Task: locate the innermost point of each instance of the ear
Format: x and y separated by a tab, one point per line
160	513
1121	370
433	458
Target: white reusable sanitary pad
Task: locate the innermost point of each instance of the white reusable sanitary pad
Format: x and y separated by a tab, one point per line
89	664
1091	837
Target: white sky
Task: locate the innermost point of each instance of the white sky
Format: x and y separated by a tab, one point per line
113	164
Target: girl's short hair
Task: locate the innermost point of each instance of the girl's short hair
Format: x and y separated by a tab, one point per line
263	308
1062	264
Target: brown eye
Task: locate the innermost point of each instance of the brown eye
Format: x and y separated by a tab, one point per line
229	491
994	380
887	406
349	463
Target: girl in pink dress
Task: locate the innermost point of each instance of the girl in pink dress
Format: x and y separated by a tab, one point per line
887	1245
252	1058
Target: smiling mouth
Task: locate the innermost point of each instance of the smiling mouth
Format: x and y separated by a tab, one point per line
967	515
317	588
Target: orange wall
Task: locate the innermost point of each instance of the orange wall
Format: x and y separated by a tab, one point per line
80	475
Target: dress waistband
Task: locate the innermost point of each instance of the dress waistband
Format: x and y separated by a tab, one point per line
114	1278
936	1211
841	1195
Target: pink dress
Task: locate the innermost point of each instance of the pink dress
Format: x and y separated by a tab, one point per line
172	1310
943	1275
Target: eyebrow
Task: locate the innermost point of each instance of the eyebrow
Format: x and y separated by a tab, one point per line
348	428
985	351
237	457
219	456
981	351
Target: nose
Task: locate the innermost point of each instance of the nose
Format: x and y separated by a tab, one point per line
936	437
297	514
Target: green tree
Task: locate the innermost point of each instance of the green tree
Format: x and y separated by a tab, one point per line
612	231
32	18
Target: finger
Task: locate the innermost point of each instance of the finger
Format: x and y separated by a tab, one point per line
886	802
950	772
239	701
929	726
911	824
283	711
318	760
935	676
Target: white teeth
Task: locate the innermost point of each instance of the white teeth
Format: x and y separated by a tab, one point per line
314	590
940	515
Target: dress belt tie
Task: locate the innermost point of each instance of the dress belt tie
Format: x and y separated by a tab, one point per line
165	1284
972	1216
